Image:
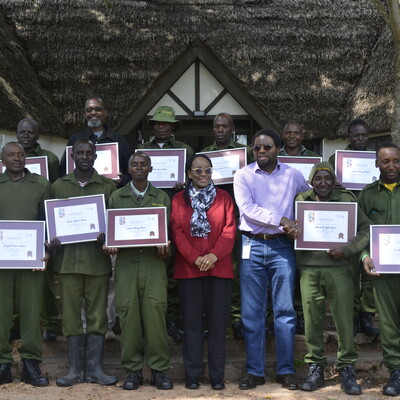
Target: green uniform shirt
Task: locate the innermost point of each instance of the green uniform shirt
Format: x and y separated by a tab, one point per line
23	199
52	161
123	198
356	245
82	258
232	145
303	152
169	144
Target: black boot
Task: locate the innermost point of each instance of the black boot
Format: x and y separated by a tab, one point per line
76	361
160	381
348	380
5	373
32	374
94	352
367	324
315	378
392	388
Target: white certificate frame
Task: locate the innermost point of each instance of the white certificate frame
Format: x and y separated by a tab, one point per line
297	162
91	234
301	207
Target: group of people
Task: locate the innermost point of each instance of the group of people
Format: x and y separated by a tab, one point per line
253	220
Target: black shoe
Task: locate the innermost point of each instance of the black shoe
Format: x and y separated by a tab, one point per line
5	373
356	325
174	331
160	381
288	381
217	384
237	328
392	388
251	381
192	384
31	374
315	378
49	336
367	324
348	380
76	361
300	325
133	380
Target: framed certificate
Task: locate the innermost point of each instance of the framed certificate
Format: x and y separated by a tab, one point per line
385	248
168	166
37	165
137	227
22	244
302	164
324	225
356	169
107	161
226	163
76	219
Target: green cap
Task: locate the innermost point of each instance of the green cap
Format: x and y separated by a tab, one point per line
322	166
165	114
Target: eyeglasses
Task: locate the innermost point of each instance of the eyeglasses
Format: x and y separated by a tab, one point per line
90	109
266	147
200	171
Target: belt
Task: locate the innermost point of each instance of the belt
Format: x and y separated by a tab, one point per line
264	236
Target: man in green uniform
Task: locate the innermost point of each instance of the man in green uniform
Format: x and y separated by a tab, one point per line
364	303
83	270
22	196
380	200
326	275
141	286
224	129
292	139
27	136
164	124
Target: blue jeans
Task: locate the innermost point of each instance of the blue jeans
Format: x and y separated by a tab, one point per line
271	263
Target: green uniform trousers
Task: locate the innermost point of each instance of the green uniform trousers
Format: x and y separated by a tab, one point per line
74	288
334	284
141	300
387	297
21	290
49	309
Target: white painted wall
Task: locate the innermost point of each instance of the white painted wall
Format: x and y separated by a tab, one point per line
330	146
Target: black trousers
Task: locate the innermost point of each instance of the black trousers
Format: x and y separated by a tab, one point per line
210	297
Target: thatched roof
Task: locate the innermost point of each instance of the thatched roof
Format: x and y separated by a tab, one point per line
296	59
21	95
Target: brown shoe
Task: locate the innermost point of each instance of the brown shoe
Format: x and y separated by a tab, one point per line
288	381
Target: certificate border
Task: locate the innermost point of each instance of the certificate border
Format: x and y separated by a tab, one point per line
242	151
181	153
375	231
339	156
162	226
50	205
300	160
42	160
114	174
39	227
301	206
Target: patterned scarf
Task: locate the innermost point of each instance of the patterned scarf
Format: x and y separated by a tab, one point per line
201	202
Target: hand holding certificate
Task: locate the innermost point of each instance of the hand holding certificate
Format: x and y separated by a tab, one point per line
385	248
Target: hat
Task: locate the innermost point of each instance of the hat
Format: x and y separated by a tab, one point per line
165	114
322	166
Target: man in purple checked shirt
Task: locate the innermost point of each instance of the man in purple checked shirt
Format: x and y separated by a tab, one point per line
265	192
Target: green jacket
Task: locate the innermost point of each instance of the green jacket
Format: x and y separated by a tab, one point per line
23	199
52	161
82	258
232	145
303	152
169	144
355	246
123	198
